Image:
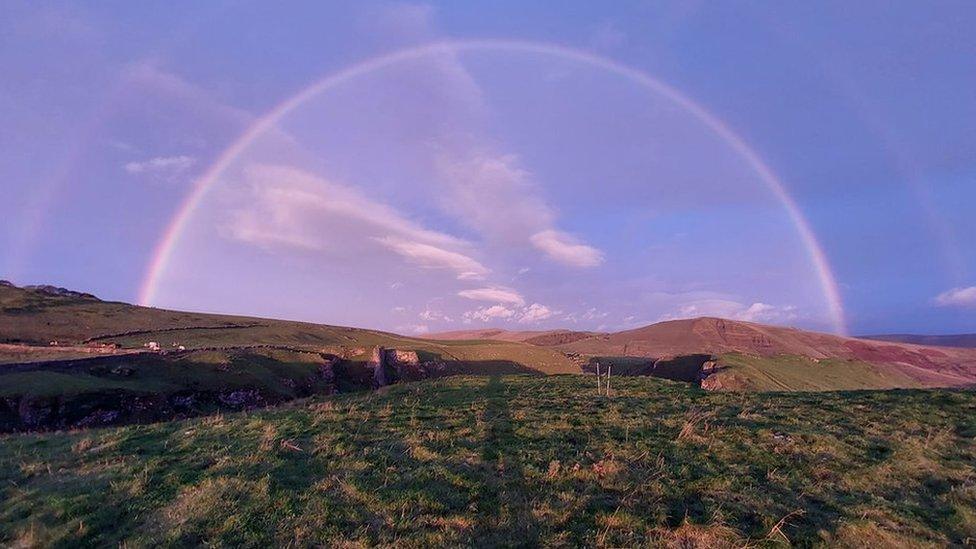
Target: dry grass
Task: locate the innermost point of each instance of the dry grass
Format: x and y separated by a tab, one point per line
512	461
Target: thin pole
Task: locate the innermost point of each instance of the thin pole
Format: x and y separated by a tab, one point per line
598	386
608	379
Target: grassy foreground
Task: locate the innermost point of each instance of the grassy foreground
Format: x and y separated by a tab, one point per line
517	460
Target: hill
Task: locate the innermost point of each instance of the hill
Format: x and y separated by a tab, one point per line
717	354
70	360
760	357
31	320
512	460
956	340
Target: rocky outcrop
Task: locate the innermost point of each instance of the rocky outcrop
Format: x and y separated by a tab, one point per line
377	364
57	291
405	365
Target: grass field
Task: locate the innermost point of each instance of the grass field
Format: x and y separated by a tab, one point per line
517	460
797	373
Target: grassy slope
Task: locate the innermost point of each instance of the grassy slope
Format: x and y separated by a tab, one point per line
797	373
515	460
955	340
200	370
27	316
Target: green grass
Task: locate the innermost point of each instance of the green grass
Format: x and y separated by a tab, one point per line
37	319
514	460
202	370
797	373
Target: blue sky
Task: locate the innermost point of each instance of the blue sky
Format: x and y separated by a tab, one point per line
563	164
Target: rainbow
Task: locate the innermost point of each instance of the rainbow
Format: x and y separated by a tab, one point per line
166	245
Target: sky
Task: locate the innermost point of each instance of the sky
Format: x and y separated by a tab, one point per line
422	167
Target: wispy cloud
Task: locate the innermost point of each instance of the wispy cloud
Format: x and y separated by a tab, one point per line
566	249
165	165
957	297
535	313
291	207
433	257
413	328
487	314
511	312
494	294
434	316
724	308
590	314
481	182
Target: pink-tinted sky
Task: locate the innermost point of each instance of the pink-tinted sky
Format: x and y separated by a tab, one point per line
421	167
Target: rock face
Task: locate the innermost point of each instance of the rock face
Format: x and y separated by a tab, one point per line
405	365
56	291
377	364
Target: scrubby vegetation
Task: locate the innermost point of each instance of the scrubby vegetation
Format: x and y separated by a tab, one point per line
513	460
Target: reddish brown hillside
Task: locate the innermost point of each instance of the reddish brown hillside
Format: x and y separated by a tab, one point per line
931	365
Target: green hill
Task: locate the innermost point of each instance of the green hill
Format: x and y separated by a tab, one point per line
513	460
39	317
71	360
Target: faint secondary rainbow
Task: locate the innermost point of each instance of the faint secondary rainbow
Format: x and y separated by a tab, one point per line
166	245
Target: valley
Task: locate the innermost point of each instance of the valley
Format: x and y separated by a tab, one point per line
70	360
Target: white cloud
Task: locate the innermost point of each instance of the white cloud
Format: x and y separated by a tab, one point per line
166	165
432	257
957	297
490	192
432	315
590	314
566	249
481	183
495	294
486	314
399	310
413	328
298	209
724	308
531	314
536	312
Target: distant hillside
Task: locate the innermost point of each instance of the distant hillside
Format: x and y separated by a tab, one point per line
760	357
958	340
69	360
33	319
736	355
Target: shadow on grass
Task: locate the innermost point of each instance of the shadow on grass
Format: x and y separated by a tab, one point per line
505	516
